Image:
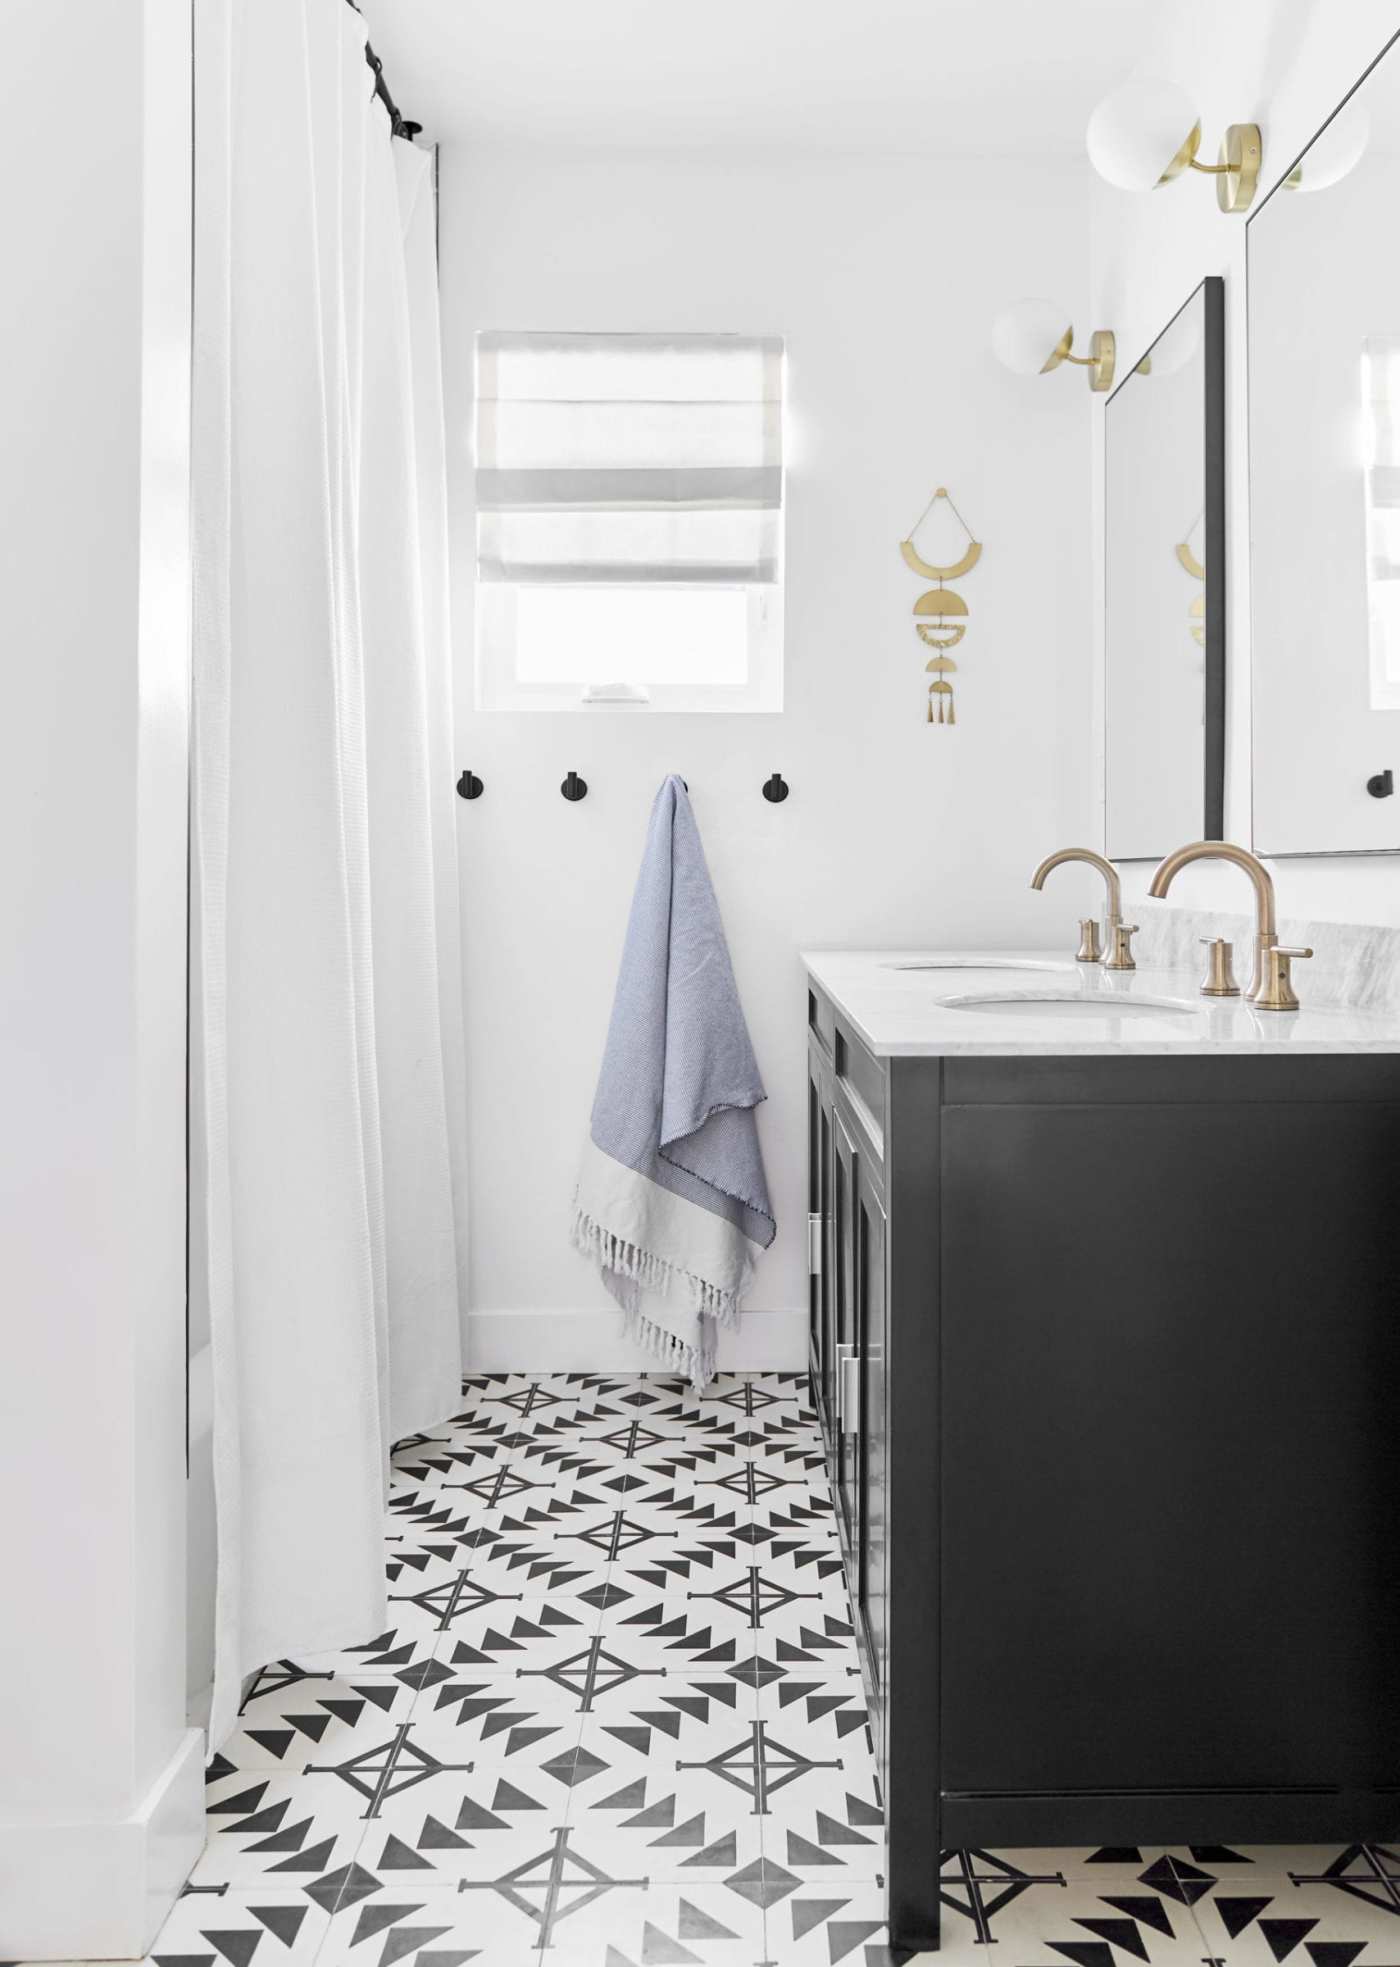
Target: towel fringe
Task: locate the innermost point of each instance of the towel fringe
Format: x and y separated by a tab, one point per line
614	1254
626	1259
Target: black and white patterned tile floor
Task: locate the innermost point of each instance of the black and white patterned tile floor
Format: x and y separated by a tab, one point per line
617	1721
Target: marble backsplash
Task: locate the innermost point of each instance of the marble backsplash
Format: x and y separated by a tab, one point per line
1356	964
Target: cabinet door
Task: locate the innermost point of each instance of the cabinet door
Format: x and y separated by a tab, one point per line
846	1313
819	1290
1170	1478
873	1438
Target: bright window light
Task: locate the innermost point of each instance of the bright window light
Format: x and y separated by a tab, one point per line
1380	403
638	635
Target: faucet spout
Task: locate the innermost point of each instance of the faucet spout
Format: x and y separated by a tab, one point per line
1119	957
1266	919
1091	859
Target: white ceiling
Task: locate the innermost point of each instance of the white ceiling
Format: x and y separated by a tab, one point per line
936	76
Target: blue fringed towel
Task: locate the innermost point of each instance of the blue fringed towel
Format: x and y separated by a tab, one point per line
672	1204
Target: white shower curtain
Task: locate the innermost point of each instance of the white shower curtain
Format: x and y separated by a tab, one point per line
326	1054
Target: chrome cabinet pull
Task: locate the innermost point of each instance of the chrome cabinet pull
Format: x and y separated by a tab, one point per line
849	1369
844	1354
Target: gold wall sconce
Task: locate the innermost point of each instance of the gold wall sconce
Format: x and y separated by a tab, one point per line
1032	337
1147	133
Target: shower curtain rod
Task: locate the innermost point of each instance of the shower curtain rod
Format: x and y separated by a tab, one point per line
399	125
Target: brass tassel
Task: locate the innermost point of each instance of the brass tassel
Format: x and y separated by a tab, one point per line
930	706
952	709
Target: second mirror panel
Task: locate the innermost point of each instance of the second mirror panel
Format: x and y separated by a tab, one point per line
1324	486
1164	642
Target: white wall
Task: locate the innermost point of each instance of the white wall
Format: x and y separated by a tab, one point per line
100	1790
883	275
1284	64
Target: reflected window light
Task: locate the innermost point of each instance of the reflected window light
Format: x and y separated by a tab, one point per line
1380	405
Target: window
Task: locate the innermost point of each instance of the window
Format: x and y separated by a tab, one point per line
629	493
1380	397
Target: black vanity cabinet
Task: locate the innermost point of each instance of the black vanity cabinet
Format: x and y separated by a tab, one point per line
849	1296
1107	1357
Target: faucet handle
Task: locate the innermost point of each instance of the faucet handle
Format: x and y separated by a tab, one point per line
1277	992
1120	946
1219	979
1089	951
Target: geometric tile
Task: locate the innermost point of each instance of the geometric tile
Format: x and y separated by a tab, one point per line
1070	1916
617	1719
238	1926
287	1830
313	1720
1309	1924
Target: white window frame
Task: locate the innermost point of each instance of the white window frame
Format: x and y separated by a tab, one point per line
499	686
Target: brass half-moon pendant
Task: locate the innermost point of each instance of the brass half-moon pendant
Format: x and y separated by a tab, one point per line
941	602
949	640
931	573
1189	561
941	666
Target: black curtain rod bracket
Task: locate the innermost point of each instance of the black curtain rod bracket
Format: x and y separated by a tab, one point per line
399	126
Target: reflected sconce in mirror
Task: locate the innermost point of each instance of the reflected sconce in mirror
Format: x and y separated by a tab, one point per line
1147	133
1032	337
1195	566
1335	153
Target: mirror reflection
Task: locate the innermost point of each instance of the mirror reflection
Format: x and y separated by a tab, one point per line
1324	455
1164	621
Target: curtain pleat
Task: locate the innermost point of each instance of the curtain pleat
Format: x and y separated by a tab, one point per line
418	216
324	1186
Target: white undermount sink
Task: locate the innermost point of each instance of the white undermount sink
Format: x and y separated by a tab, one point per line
977	963
1060	1004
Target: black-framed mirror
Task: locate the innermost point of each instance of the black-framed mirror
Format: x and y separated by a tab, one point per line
1324	486
1164	582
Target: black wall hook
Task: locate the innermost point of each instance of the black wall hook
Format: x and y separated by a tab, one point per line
1382	784
776	789
470	786
574	787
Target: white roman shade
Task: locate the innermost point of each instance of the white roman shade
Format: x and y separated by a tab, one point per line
629	459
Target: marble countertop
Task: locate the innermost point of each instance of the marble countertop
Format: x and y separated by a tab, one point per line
901	1010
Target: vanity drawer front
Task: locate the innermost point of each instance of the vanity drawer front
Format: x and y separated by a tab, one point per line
861	1078
821	1020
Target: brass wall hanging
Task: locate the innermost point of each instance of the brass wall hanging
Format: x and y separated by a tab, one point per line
941	613
1196	569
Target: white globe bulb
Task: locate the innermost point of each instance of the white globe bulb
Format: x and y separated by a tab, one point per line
1135	132
1179	344
1026	334
1337	151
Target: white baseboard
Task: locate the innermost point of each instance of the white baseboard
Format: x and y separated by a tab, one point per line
101	1891
592	1342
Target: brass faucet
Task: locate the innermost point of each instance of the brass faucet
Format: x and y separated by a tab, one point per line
1270	988
1120	934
